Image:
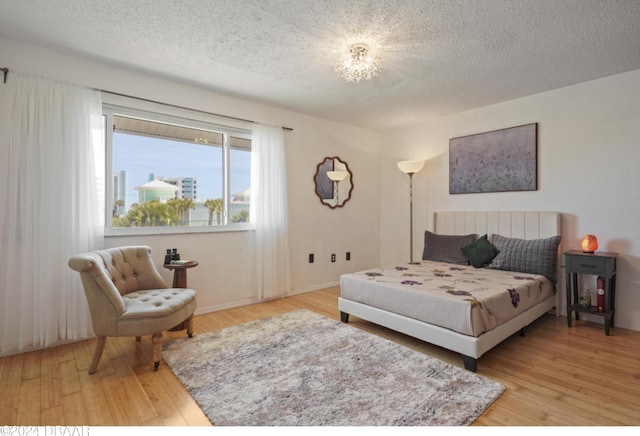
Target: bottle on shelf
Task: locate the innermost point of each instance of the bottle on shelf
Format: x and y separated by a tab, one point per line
600	293
584	297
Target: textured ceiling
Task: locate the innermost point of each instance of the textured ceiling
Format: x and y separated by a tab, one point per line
439	56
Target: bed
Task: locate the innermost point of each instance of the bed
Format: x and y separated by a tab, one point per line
457	298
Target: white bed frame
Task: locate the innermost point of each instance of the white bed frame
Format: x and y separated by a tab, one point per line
523	225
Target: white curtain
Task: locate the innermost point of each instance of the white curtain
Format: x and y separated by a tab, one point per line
269	210
50	209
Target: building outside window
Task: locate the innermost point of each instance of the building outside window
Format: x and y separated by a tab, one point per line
175	174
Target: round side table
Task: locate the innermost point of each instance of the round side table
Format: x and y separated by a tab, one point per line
180	272
180	281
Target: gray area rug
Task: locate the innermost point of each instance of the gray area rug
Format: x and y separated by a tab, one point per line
304	369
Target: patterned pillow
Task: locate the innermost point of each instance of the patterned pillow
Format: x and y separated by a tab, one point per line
480	252
446	248
533	256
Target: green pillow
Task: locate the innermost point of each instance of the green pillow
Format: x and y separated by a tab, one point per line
481	252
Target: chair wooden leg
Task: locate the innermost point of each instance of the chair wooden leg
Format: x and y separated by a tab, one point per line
156	339
189	322
93	366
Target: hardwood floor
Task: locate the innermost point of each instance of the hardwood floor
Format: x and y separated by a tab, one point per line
555	375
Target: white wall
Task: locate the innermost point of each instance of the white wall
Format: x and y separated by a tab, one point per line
223	278
588	154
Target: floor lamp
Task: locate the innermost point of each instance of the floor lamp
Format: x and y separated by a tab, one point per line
410	167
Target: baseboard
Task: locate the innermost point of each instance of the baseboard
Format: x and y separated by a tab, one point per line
249	301
313	288
219	307
600	320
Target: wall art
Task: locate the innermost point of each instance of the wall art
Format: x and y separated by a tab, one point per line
497	161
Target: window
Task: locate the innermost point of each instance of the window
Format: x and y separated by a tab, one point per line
175	174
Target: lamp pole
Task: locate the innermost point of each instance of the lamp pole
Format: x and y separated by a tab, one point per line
410	167
336	177
411	217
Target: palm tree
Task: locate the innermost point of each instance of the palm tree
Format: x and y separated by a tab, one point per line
214	206
186	204
181	207
117	207
241	217
152	213
174	204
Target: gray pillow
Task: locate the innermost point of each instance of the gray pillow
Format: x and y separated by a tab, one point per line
533	256
446	248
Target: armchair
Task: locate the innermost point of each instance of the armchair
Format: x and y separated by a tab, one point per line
128	297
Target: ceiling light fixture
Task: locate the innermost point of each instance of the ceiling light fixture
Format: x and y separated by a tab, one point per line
360	65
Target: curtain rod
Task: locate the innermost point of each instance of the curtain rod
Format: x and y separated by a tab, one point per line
184	107
6	71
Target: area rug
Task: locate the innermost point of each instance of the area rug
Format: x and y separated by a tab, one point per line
304	369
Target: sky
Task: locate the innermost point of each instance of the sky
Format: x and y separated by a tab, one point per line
140	156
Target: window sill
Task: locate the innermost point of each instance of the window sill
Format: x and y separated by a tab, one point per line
177	230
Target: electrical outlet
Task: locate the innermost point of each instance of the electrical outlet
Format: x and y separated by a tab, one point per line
310	257
348	255
333	257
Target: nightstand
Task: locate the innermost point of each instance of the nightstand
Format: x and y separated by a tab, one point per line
601	264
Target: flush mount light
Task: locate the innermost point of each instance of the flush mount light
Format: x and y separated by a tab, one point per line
359	65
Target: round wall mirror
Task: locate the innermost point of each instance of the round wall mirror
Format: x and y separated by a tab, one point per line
334	182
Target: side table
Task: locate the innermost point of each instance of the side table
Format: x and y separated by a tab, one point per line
180	272
601	264
180	281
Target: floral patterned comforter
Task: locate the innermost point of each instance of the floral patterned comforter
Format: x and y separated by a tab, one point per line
462	298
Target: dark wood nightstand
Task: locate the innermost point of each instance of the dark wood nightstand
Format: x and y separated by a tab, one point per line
601	264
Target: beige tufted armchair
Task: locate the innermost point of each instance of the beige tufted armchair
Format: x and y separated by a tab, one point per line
128	297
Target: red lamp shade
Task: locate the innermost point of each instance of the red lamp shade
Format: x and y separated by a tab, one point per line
589	243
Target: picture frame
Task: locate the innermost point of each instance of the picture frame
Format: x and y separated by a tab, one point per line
496	161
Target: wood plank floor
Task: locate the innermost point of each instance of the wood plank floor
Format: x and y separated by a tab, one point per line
555	375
